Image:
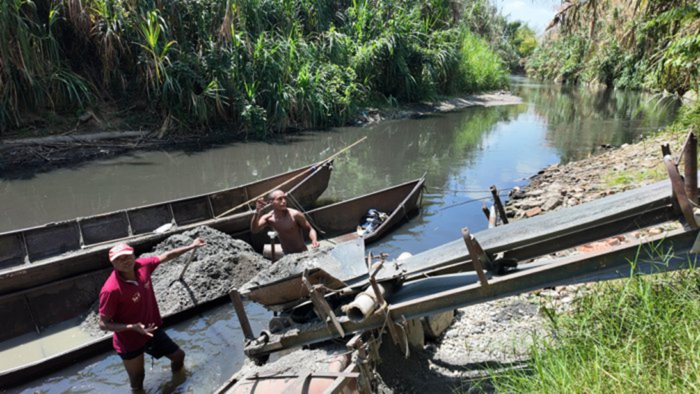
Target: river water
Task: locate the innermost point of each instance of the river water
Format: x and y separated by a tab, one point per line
462	154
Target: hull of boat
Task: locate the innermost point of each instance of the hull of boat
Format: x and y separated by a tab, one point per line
51	292
338	222
45	254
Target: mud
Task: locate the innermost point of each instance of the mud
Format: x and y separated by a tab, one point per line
294	363
292	264
222	264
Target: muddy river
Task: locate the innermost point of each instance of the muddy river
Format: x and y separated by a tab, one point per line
463	153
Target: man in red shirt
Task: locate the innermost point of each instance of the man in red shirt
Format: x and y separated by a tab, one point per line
128	307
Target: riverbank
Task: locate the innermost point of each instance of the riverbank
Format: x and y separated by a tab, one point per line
91	142
497	337
489	339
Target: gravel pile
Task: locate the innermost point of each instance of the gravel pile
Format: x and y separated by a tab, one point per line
293	264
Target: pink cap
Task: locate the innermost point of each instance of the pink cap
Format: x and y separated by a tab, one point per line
120	250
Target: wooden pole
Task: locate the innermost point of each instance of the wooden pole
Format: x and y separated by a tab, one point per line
499	205
691	168
242	316
320	163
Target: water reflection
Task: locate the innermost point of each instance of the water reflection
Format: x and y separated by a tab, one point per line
580	119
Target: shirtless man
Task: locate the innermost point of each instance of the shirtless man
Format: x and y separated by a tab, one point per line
289	223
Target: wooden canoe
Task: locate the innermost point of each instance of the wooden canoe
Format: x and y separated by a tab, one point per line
338	222
55	290
55	251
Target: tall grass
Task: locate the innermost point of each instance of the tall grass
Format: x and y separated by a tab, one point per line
262	66
635	336
650	44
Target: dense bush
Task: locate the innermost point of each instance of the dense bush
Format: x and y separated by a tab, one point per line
258	65
651	44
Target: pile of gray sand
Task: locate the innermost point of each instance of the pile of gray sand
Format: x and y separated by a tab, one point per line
292	264
222	264
294	363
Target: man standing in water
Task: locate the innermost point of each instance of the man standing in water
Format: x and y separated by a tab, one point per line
289	223
128	307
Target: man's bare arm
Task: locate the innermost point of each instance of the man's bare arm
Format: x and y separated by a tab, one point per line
304	224
175	253
258	222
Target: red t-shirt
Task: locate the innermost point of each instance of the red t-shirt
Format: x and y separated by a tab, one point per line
129	302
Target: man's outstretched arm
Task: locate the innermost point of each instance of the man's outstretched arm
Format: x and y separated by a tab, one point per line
175	253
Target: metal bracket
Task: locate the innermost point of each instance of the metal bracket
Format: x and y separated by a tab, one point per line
322	308
476	252
242	316
679	192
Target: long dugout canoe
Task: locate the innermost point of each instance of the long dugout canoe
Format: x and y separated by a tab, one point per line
55	251
400	201
46	294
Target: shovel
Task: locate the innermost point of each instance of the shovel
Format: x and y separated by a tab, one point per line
182	273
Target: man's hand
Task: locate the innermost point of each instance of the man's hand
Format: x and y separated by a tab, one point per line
314	244
141	329
259	205
198	243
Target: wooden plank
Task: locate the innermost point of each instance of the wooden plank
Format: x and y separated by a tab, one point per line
145	220
52	240
11	250
97	229
191	211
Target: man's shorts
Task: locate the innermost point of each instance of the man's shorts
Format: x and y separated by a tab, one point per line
158	346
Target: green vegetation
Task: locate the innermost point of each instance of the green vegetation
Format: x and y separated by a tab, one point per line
641	44
261	66
512	41
635	177
631	336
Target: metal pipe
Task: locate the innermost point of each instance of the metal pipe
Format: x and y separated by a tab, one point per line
498	204
367	302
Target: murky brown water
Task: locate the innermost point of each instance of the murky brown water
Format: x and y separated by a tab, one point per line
463	154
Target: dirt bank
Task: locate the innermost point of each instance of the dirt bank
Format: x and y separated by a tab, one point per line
222	264
92	139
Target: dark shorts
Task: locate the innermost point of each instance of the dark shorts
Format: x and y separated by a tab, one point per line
158	346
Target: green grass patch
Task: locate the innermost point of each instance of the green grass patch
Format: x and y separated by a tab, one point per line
634	336
633	176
